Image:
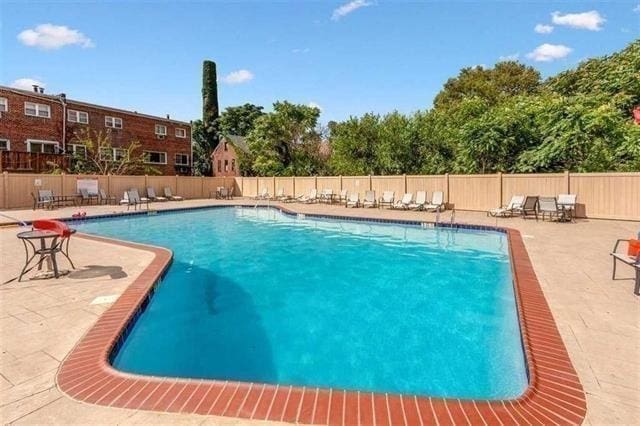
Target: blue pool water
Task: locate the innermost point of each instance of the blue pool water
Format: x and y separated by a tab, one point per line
257	295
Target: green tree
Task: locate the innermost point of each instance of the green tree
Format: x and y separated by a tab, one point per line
354	143
239	120
205	131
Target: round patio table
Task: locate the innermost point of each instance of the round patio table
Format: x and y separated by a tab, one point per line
50	244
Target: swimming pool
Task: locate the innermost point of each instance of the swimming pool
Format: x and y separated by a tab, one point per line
256	295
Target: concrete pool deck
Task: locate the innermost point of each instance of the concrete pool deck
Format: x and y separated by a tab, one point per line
597	317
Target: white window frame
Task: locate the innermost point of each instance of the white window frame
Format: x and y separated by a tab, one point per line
8	142
73	116
37	108
41	142
113	121
119	154
183	134
101	155
181	154
4	105
74	148
146	160
162	132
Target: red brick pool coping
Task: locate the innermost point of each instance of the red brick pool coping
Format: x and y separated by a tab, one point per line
554	395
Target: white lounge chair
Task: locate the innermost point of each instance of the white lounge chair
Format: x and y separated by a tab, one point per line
421	200
567	202
168	194
437	202
508	210
263	195
311	198
353	200
369	199
151	194
404	202
387	199
343	196
326	196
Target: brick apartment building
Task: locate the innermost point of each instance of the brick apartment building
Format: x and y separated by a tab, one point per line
35	122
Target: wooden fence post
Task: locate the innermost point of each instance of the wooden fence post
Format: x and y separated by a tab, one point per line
294	188
567	181
5	192
370	183
62	191
446	187
315	182
109	186
500	188
404	179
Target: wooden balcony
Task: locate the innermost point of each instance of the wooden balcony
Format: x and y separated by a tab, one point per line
29	162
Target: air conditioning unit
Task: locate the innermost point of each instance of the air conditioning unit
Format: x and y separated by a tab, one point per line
161	137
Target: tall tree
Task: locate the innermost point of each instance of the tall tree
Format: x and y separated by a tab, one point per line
239	120
205	131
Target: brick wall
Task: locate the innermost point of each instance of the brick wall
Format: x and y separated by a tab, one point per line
17	127
218	158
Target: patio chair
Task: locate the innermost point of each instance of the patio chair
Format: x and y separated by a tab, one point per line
509	209
263	195
326	196
353	200
342	198
311	198
137	199
106	199
631	258
548	206
437	202
369	199
85	197
43	200
421	201
404	202
223	193
169	195
230	193
151	194
386	199
567	202
129	200
529	207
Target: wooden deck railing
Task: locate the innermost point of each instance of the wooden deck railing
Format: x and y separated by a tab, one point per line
32	162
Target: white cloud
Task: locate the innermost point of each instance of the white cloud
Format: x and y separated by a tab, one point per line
238	77
26	83
512	57
549	52
49	36
591	20
543	29
637	8
305	50
347	8
314	105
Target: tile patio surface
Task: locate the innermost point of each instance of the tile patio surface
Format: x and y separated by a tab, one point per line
41	321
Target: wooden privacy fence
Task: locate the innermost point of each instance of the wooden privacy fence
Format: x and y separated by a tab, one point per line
600	195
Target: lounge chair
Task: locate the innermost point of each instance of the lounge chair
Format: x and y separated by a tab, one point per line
343	196
548	206
353	200
386	199
280	196
263	195
85	197
326	196
151	194
311	198
629	258
138	198
106	199
437	202
421	201
44	199
567	203
230	193
529	207
369	199
170	196
509	209
132	198
403	203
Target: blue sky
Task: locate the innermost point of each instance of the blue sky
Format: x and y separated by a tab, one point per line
348	57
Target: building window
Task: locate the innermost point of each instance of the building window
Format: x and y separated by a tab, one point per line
42	147
37	110
5	145
161	130
119	154
233	164
225	146
78	150
113	122
182	159
181	133
77	116
219	165
152	157
4	105
226	165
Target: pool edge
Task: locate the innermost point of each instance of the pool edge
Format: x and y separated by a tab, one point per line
554	394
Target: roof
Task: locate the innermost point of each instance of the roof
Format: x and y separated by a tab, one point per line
58	97
237	141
